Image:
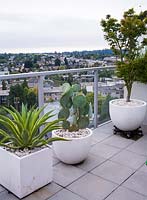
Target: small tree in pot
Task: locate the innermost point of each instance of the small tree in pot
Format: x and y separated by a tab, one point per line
126	38
75	112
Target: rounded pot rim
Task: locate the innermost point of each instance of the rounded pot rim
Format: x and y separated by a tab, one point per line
70	139
138	100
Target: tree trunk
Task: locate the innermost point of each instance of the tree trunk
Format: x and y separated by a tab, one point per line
129	88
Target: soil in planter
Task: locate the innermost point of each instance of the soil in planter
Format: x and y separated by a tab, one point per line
74	134
122	102
24	152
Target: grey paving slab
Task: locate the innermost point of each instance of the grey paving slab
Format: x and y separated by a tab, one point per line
104	150
92	187
66	174
118	141
44	192
129	159
103	132
122	193
139	147
144	129
65	195
107	128
137	182
55	161
1	188
99	137
91	162
5	195
113	171
143	168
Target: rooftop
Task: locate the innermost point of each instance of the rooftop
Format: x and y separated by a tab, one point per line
114	170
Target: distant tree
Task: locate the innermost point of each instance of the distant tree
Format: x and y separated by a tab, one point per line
20	94
16	96
62	67
4	85
35	66
101	99
104	113
57	62
28	64
25	84
35	59
31	98
66	61
70	79
106	73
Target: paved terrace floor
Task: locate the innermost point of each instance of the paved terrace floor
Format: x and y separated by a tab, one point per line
114	170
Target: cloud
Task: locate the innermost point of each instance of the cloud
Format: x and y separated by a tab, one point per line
41	24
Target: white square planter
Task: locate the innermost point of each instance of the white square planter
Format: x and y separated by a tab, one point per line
23	175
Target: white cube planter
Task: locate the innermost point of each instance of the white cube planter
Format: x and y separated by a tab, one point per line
74	151
24	175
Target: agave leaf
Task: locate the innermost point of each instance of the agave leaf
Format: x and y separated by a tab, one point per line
5	139
35	120
16	141
10	126
25	136
46	130
40	122
14	113
56	139
24	112
3	133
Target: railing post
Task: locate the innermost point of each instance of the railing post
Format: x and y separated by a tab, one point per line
40	92
95	98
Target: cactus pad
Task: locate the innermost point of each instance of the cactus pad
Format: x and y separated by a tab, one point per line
64	113
75	107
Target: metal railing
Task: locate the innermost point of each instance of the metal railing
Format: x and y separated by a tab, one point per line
40	76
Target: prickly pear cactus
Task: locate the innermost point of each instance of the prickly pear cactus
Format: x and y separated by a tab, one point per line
75	109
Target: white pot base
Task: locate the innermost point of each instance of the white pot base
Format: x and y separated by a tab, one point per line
126	117
74	151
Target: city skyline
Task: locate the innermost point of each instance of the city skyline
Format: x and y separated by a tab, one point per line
48	26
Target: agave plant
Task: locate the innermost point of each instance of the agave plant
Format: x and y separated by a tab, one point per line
22	130
75	108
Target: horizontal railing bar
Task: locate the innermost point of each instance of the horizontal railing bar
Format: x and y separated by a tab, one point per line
54	72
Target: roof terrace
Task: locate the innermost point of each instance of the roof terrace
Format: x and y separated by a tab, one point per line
114	170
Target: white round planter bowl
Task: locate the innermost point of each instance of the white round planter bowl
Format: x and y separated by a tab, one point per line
73	151
126	117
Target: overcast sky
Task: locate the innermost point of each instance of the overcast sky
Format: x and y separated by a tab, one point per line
57	25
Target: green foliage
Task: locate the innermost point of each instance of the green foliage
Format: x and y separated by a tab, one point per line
101	99
22	129
126	38
106	73
57	62
140	65
75	110
4	85
21	93
28	64
104	109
